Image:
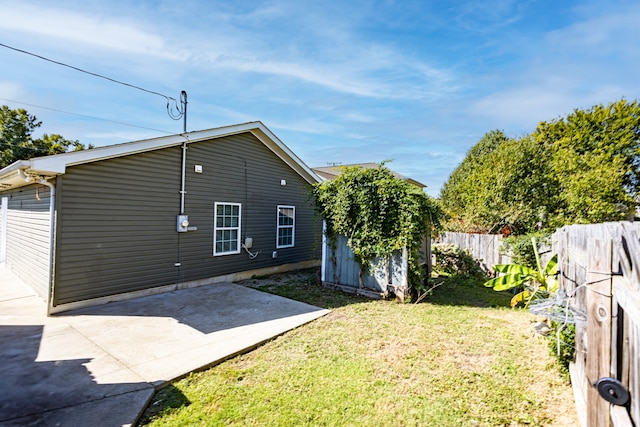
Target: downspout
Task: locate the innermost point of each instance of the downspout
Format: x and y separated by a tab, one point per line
52	234
52	227
182	177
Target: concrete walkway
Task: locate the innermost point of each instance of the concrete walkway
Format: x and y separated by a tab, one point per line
100	366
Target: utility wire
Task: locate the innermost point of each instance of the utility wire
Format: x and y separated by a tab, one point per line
84	115
180	112
87	72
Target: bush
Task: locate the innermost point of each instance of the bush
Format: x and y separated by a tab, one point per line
567	345
521	250
453	261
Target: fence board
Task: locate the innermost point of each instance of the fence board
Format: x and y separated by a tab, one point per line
611	337
598	328
599	272
485	248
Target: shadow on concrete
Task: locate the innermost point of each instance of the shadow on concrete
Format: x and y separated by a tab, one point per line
208	309
31	390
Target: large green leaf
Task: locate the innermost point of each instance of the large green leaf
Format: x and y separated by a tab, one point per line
508	281
551	268
514	269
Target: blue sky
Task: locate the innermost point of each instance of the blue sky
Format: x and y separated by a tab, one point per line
415	82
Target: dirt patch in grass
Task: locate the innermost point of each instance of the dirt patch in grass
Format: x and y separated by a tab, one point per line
382	363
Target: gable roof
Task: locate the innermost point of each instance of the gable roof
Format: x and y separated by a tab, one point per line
47	167
331	172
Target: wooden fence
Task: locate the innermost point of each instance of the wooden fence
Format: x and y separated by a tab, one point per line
485	248
600	274
599	282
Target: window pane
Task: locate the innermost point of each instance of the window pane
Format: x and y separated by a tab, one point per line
227	228
285	236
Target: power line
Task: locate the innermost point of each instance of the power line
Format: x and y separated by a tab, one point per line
172	104
84	115
87	72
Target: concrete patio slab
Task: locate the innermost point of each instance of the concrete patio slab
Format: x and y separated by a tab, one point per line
101	365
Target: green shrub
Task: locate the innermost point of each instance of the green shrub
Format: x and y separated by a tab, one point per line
521	250
450	260
567	345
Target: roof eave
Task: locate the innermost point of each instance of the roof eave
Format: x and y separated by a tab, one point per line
54	165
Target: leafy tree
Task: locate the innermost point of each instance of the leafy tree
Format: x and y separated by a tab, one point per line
17	142
378	213
594	156
495	185
580	169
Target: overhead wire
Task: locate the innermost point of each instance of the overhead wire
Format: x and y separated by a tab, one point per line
172	103
86	116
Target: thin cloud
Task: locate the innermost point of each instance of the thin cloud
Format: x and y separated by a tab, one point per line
85	29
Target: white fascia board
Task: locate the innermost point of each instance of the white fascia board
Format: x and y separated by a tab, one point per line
271	141
57	164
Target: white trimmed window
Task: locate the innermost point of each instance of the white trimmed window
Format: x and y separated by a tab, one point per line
226	234
286	227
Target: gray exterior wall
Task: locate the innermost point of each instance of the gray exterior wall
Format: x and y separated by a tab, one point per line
27	236
117	218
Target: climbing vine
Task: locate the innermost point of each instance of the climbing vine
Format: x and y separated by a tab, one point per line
378	213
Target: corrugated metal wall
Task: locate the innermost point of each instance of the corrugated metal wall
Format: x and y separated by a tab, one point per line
342	269
117	218
27	236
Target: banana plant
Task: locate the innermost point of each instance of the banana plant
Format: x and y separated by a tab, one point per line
536	282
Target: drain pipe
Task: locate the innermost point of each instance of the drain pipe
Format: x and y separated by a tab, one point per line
52	240
184	172
182	225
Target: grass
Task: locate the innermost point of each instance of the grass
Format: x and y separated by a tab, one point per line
461	358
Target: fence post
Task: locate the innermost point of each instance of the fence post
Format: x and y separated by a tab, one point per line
599	322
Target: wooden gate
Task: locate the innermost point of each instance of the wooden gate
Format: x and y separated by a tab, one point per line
599	269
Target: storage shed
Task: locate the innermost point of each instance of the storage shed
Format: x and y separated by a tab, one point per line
126	220
388	276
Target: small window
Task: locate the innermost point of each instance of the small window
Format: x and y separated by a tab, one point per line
226	234
286	226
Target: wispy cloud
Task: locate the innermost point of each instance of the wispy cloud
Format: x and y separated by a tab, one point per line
486	16
112	33
419	82
10	90
341	61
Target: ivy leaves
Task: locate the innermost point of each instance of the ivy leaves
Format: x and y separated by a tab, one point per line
377	212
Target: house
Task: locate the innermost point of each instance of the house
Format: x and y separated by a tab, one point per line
331	172
116	222
385	277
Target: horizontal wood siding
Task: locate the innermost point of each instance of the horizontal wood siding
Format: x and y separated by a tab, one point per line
240	169
116	226
28	239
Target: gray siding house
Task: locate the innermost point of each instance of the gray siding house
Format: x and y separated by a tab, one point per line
150	216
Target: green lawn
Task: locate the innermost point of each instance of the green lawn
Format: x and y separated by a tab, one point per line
460	358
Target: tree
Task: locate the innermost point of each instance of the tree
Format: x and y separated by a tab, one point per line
580	169
17	142
496	186
595	163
